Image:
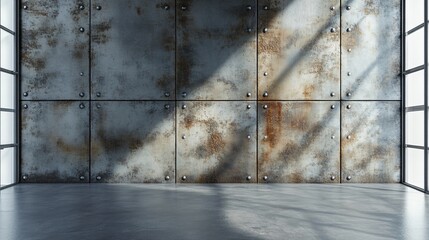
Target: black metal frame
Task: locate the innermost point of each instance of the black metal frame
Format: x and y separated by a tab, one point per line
16	73
423	107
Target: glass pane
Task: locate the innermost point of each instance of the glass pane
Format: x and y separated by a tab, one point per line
7	50
8	163
7	90
415	128
414	167
7	122
415	93
8	14
414	49
414	13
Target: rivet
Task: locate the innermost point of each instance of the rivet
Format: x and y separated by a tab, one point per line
265	74
332	137
81	7
25	106
332	178
98	105
265	106
349	94
349	73
249	137
184	106
167	106
167	94
333	30
81	106
348	8
82	178
249	7
348	29
249	107
82	94
349	106
98	8
166	7
265	94
98	94
349	178
332	94
332	106
81	29
98	178
25	94
184	94
349	137
266	7
248	178
81	74
332	8
25	7
349	50
265	178
184	178
265	30
249	30
167	178
183	137
24	177
249	94
183	8
265	137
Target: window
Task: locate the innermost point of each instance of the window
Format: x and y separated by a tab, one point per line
8	90
415	94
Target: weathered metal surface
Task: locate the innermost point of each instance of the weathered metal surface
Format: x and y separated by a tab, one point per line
370	142
216	54
299	50
216	142
133	49
299	142
133	142
54	52
55	142
371	47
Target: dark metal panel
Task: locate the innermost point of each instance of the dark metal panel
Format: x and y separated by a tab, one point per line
299	50
54	52
371	48
55	142
299	142
370	142
133	142
216	55
216	142
133	49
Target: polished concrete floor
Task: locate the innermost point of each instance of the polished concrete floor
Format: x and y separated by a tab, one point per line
132	211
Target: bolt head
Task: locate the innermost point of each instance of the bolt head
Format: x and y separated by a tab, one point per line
332	94
265	178
349	94
333	30
82	178
184	94
25	94
265	94
248	178
332	106
266	7
25	7
98	105
265	137
98	178
98	8
81	74
265	74
249	94
166	7
249	30
183	137
184	178
349	106
249	137
81	29
98	94
82	94
332	137
167	106
349	178
348	29
349	50
81	7
332	8
349	73
184	106
265	106
249	7
184	8
24	177
249	107
348	8
167	178
81	106
265	30
167	94
332	177
25	106
349	137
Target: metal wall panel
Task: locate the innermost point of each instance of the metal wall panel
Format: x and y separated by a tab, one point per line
216	49
55	142
371	48
54	49
216	142
299	50
370	142
133	142
133	49
299	142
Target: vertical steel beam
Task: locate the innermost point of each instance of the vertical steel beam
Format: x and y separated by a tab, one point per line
426	93
17	90
403	38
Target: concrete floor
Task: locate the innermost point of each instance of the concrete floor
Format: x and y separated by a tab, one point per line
131	211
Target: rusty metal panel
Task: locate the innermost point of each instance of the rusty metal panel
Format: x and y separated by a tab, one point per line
216	142
54	49
55	142
133	142
299	50
133	49
371	48
299	142
216	49
370	142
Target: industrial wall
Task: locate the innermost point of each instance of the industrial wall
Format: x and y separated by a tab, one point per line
207	91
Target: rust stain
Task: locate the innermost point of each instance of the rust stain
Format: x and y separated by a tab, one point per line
80	150
189	122
215	143
372	7
273	126
308	91
100	32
